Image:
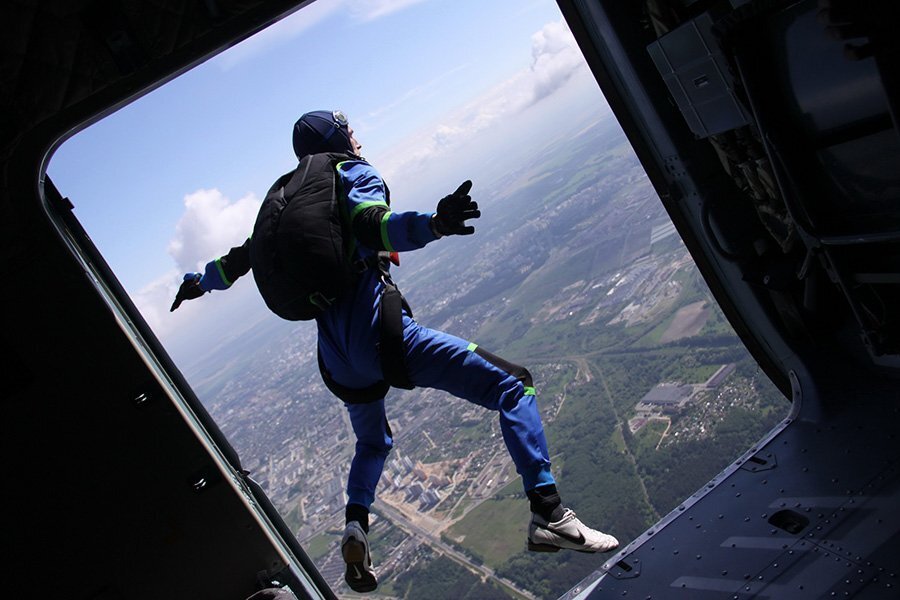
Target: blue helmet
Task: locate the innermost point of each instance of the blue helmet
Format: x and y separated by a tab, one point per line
322	131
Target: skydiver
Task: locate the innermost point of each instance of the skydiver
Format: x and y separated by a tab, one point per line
348	344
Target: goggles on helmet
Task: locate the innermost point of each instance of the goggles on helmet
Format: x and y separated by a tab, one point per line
339	119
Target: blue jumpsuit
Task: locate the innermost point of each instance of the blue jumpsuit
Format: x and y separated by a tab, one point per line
349	332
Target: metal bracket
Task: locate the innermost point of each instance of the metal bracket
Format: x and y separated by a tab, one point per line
760	462
627	568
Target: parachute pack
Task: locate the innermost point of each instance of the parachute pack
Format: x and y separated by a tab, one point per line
301	257
299	250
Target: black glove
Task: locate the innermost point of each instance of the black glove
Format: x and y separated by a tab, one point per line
453	210
190	289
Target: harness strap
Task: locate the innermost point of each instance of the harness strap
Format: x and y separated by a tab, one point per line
393	365
391	347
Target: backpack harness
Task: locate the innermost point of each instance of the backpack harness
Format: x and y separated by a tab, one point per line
300	254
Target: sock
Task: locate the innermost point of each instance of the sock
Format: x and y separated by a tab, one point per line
358	513
545	501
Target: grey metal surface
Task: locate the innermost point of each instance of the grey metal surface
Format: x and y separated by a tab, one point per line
697	75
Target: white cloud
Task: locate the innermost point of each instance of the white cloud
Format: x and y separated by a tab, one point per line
555	58
210	225
153	302
369	10
459	126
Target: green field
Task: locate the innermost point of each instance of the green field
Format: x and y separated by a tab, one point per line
496	528
648	437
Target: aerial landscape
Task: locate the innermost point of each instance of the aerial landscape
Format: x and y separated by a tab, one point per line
577	273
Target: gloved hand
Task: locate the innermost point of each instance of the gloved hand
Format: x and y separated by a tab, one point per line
453	210
195	284
190	289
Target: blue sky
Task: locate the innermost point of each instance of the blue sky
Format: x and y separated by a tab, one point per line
433	89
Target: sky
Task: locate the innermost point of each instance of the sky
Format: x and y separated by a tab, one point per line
437	91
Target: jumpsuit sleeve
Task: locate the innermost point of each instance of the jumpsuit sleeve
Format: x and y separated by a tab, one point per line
231	266
373	223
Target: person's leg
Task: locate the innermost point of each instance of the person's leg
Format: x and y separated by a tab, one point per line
345	369
442	361
373	443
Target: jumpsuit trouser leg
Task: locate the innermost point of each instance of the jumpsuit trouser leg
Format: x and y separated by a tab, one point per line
442	361
373	443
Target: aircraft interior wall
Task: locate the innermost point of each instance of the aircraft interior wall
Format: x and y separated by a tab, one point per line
795	104
122	487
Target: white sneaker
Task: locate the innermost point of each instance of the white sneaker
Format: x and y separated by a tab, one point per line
569	533
360	575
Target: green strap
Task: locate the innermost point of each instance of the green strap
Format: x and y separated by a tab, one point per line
472	347
384	232
364	205
222	272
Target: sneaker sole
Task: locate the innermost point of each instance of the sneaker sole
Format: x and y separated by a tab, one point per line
354	554
535	547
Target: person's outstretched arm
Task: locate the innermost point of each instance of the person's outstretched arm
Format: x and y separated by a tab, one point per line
219	274
379	228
